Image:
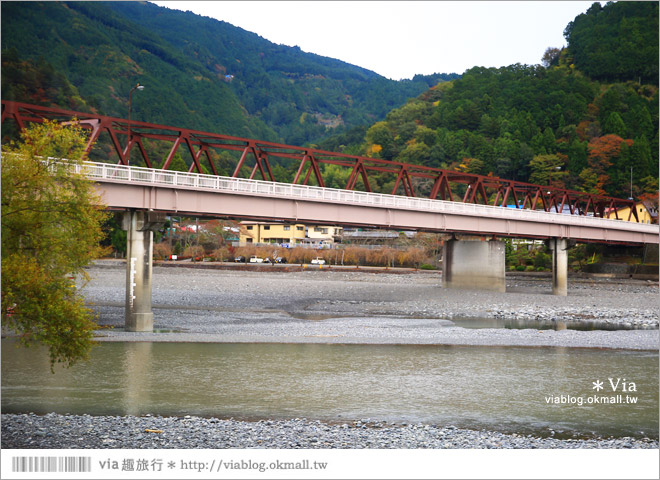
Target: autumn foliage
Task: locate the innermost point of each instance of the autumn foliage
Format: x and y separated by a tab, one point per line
51	229
603	153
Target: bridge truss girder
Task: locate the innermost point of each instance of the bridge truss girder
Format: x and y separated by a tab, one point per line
256	155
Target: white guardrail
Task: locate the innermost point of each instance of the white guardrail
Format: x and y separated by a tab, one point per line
164	178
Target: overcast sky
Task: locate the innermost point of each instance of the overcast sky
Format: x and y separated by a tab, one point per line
399	39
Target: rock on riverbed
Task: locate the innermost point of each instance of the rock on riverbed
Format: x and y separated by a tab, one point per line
321	306
84	431
354	307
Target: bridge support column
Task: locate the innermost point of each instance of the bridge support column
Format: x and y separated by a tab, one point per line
474	263
140	226
559	247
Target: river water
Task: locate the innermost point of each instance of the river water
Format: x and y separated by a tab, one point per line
509	389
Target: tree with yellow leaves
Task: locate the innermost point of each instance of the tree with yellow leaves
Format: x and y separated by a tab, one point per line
51	229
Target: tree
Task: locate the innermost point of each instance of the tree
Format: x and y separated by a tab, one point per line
639	122
178	163
641	159
467	116
335	176
589	181
380	134
618	41
545	168
577	156
604	152
550	57
51	228
415	153
472	165
549	141
615	125
650	195
115	235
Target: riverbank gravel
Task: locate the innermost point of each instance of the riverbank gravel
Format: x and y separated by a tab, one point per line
321	306
318	306
85	431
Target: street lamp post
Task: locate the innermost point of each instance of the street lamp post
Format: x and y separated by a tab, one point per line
631	195
128	144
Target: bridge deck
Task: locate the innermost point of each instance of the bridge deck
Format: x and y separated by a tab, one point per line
210	195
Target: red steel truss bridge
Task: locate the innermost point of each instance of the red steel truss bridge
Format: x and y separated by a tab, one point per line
257	155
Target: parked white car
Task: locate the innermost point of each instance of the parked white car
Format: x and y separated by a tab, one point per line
318	261
255	259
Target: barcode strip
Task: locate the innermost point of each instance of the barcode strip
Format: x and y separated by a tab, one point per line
51	464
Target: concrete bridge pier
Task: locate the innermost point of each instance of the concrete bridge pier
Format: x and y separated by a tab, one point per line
559	247
472	262
140	226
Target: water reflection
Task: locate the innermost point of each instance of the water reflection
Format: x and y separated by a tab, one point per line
538	324
583	324
137	364
501	388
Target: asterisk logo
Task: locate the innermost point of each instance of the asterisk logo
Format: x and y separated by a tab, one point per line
598	385
171	465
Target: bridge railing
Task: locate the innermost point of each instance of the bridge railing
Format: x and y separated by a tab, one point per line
141	175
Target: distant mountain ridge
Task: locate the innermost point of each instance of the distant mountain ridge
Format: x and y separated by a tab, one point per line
586	120
198	72
573	122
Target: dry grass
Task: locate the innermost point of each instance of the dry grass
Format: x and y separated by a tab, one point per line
349	255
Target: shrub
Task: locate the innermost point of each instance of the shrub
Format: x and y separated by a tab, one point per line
355	255
520	268
411	257
382	257
542	260
162	251
529	268
222	255
426	266
300	255
194	251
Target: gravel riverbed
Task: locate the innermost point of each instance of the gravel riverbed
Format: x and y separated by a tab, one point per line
316	306
85	431
354	307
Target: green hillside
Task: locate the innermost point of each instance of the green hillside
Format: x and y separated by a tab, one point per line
226	80
581	121
550	126
617	42
103	56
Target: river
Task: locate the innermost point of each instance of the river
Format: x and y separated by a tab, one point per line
511	389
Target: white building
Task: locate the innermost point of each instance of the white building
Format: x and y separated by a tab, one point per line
324	235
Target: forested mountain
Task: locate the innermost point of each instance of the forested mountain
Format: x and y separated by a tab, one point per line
198	72
299	94
581	121
554	125
617	42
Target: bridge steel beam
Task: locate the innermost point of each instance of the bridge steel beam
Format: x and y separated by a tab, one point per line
140	226
415	179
